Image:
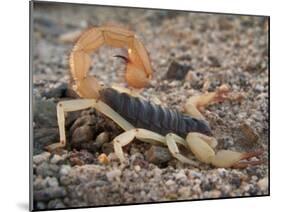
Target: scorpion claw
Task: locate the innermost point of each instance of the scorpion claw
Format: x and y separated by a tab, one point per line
248	155
244	164
226	159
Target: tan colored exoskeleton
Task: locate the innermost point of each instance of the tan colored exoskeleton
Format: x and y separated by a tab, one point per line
138	74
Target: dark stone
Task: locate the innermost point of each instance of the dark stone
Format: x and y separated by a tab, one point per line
43	137
47	27
107	148
49	193
54	168
56	203
81	157
158	155
80	122
214	61
207	185
253	191
44	113
61	91
248	133
254	171
101	139
44	170
235	181
57	92
82	134
40	206
225	24
177	71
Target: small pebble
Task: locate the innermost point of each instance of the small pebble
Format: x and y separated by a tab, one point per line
40	205
56	203
181	176
263	184
222	172
177	70
114	174
39	183
65	169
170	182
103	159
248	132
82	134
101	139
216	194
44	170
137	168
37	159
56	159
49	193
185	191
52	182
158	155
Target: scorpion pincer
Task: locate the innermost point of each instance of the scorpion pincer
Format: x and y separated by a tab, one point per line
141	119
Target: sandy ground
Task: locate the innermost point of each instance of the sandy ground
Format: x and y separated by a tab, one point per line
220	49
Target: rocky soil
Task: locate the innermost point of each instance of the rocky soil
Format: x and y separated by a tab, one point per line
188	51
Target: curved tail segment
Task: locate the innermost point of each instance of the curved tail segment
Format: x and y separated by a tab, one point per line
138	70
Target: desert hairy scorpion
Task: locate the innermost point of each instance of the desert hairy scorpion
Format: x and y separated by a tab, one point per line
141	119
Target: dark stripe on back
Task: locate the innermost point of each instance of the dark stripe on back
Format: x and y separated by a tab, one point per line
144	114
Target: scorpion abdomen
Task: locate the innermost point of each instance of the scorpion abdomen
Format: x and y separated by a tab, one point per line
144	114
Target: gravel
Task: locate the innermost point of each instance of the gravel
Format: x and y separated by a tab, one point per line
208	50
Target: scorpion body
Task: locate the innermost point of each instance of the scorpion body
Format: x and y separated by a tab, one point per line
146	115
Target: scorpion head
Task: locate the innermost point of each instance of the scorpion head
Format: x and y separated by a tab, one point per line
203	127
196	125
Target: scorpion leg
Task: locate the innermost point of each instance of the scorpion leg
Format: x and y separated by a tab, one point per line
172	141
196	104
141	134
201	148
80	104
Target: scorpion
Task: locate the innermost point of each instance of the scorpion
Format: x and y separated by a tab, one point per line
139	118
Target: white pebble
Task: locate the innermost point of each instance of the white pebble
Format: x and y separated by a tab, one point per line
263	184
180	176
157	172
254	178
137	168
56	158
215	194
170	182
185	191
52	182
143	194
222	172
195	174
65	169
113	174
39	183
37	159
